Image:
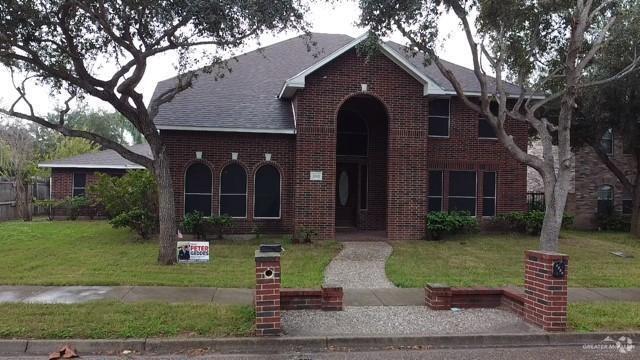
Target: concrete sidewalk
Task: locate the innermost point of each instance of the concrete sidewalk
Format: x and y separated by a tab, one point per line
352	297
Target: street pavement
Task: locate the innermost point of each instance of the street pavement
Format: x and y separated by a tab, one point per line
555	353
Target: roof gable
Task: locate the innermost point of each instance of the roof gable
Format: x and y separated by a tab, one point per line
297	81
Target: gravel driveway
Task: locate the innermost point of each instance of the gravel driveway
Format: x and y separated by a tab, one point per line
360	265
401	320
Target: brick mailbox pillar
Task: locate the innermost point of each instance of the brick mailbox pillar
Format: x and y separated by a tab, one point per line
267	298
545	287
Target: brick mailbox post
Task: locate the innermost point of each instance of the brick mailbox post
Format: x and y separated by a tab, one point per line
267	298
545	287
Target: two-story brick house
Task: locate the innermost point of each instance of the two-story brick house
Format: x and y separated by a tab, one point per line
331	139
598	190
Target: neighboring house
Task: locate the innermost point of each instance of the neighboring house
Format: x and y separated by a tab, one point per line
72	176
330	140
597	189
535	184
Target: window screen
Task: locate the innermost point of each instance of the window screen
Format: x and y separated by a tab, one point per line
198	189
439	114
267	192
79	184
489	194
605	200
627	204
485	130
462	191
233	191
607	142
435	191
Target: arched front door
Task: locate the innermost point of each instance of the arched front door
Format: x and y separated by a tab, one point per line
360	202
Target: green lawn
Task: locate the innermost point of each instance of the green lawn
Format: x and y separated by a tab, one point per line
497	260
93	253
108	320
605	316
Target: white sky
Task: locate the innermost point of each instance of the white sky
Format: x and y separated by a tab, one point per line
340	18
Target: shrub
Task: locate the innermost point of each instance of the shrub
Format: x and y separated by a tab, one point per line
193	223
306	235
73	206
441	223
526	222
613	222
129	201
219	223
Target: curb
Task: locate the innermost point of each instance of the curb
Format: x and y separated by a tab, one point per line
305	344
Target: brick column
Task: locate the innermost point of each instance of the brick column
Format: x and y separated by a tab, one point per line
332	298
437	296
545	294
267	298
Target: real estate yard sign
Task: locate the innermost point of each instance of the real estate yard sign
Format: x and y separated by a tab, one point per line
192	252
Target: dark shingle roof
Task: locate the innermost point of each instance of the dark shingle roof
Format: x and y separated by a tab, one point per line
246	98
107	159
465	76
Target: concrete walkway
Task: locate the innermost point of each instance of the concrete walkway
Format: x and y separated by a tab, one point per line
360	265
352	297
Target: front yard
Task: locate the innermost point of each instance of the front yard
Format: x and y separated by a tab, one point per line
93	253
497	260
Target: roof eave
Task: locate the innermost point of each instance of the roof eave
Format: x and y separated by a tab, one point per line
223	129
91	166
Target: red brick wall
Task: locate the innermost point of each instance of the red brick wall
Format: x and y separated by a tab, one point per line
62	184
410	153
545	299
591	174
216	153
327	299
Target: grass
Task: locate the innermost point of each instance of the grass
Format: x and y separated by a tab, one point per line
107	320
605	316
497	260
93	253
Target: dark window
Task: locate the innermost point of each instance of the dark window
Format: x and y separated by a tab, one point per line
605	200
607	142
198	189
485	130
489	194
627	204
364	178
439	114
267	192
627	145
352	134
435	191
462	191
79	184
233	191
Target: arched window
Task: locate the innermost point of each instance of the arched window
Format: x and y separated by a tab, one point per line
233	191
605	199
267	192
352	134
197	189
607	142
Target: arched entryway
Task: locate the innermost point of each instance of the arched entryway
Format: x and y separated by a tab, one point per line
361	165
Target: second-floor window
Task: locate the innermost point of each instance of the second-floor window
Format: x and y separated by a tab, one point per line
439	117
606	142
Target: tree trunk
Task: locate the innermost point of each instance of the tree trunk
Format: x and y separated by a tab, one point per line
22	199
635	213
555	201
166	210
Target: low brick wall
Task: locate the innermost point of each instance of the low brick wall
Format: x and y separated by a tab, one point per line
442	297
326	298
